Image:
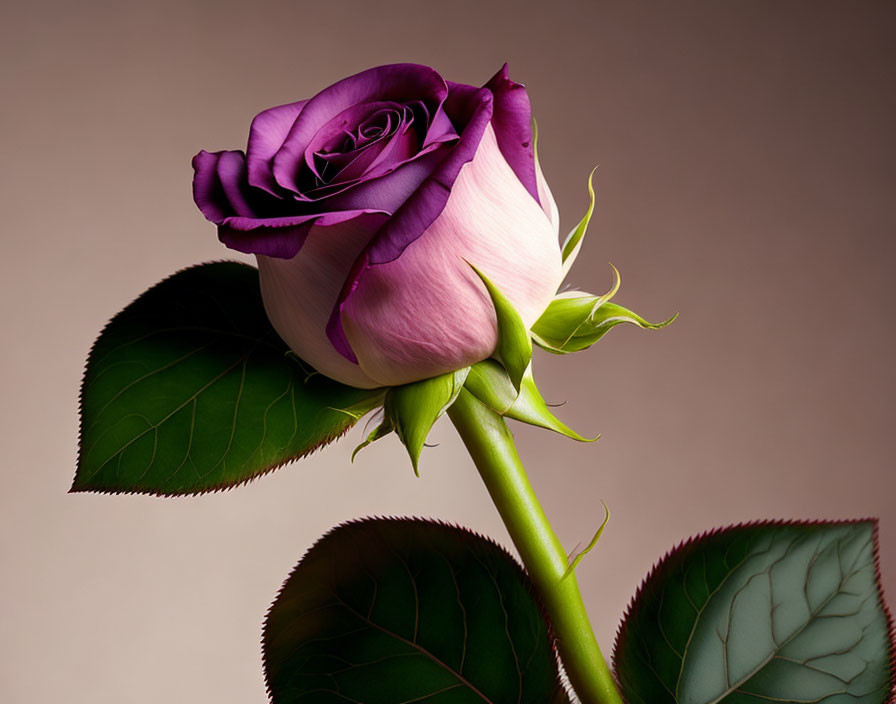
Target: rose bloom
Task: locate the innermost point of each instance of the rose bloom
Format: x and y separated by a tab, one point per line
365	207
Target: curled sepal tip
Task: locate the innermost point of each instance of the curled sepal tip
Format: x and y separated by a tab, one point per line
576	557
575	320
412	409
573	242
490	383
380	431
514	342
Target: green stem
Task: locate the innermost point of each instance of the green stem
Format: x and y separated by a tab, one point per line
491	446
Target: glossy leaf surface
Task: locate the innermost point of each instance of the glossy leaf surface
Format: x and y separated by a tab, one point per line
761	613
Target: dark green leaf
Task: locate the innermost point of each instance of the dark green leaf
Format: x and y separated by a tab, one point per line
189	389
392	611
768	612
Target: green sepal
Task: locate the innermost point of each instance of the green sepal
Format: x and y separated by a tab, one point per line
380	431
412	409
514	342
574	321
576	557
363	407
573	242
490	383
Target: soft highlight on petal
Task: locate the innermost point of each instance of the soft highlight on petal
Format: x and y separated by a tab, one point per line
266	135
465	105
299	294
426	312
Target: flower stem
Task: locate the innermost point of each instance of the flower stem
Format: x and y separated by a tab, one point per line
490	444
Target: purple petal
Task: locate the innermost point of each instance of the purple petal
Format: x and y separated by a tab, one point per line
220	188
266	135
465	105
207	191
512	121
390	191
281	237
427	312
299	294
232	174
341	126
397	82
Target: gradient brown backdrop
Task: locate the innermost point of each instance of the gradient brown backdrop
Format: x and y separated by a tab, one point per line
746	179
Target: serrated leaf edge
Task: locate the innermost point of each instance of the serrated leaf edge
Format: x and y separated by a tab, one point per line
214	489
562	681
620	640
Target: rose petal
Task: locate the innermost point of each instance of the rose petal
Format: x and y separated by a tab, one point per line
207	191
299	294
390	191
266	135
546	198
342	124
467	106
280	237
232	172
512	121
427	312
396	82
470	109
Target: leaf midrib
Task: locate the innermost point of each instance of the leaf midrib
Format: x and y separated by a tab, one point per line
423	651
813	614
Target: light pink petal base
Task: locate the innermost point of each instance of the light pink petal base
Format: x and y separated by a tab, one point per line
299	294
427	312
547	200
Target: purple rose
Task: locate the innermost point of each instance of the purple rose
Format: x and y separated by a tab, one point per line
365	206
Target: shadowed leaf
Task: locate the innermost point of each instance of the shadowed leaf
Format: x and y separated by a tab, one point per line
389	611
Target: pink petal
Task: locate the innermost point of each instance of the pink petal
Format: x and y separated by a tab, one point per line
300	293
427	312
266	135
547	199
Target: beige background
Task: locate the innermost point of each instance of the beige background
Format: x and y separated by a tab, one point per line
746	179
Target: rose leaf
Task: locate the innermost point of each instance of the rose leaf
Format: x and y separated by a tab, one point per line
189	389
387	611
764	612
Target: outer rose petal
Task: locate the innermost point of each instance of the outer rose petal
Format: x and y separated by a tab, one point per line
299	294
278	237
548	204
513	127
266	134
427	312
218	200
